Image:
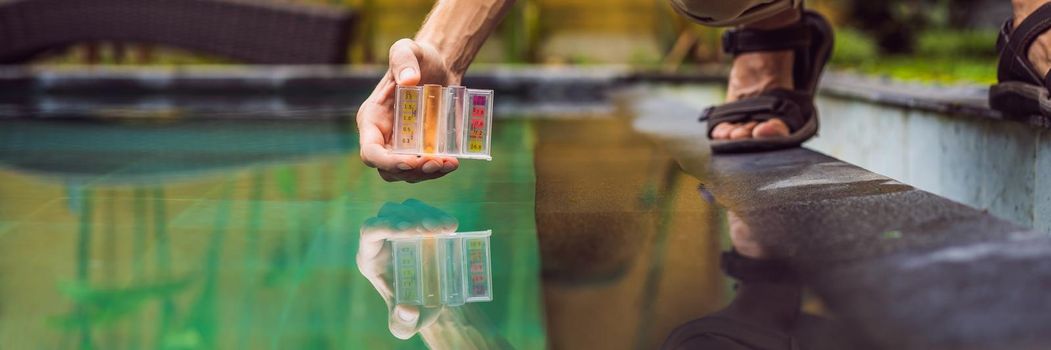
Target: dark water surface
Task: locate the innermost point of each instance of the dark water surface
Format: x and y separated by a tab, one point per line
199	234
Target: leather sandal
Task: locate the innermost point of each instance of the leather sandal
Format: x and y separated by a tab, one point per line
1021	91
811	40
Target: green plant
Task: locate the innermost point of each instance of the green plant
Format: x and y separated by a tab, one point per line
852	46
957	43
942	56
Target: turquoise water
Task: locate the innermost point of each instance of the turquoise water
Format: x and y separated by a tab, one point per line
185	234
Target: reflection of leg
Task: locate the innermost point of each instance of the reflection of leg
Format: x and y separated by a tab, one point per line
775	306
762	315
764	312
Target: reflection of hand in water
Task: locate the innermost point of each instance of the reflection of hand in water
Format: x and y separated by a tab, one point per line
410	218
457	327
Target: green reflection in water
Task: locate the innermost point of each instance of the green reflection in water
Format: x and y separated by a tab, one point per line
232	235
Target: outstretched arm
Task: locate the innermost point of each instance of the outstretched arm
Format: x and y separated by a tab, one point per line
440	54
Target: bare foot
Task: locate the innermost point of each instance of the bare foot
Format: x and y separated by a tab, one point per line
754	73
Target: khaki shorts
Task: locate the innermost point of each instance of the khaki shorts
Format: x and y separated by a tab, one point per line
722	13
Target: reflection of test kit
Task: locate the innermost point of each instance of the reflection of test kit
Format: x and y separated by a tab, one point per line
449	269
445	121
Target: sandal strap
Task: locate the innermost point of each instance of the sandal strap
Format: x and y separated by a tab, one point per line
792	107
794	37
1013	44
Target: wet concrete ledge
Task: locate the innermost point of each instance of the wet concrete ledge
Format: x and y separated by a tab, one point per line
906	268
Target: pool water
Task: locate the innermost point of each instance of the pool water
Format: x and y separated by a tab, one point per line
235	234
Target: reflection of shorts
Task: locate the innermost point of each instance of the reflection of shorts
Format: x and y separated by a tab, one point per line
721	13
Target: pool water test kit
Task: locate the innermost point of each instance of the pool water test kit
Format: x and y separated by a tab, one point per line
443	121
448	269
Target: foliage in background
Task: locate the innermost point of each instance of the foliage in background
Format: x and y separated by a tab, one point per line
520	32
902	39
892	24
938	41
941	56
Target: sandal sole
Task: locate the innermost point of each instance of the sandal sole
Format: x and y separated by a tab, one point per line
1018	99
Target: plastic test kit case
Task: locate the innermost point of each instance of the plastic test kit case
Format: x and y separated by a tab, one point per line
446	121
449	269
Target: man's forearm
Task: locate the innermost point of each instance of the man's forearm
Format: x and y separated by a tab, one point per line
458	28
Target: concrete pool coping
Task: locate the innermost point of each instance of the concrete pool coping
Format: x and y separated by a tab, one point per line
570	83
957	99
955	276
531	83
904	267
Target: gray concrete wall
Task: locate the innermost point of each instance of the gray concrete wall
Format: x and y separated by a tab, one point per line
1000	166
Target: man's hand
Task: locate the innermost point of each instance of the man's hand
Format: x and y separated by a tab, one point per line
411	63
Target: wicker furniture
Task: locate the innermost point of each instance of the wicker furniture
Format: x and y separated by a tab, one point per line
250	31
